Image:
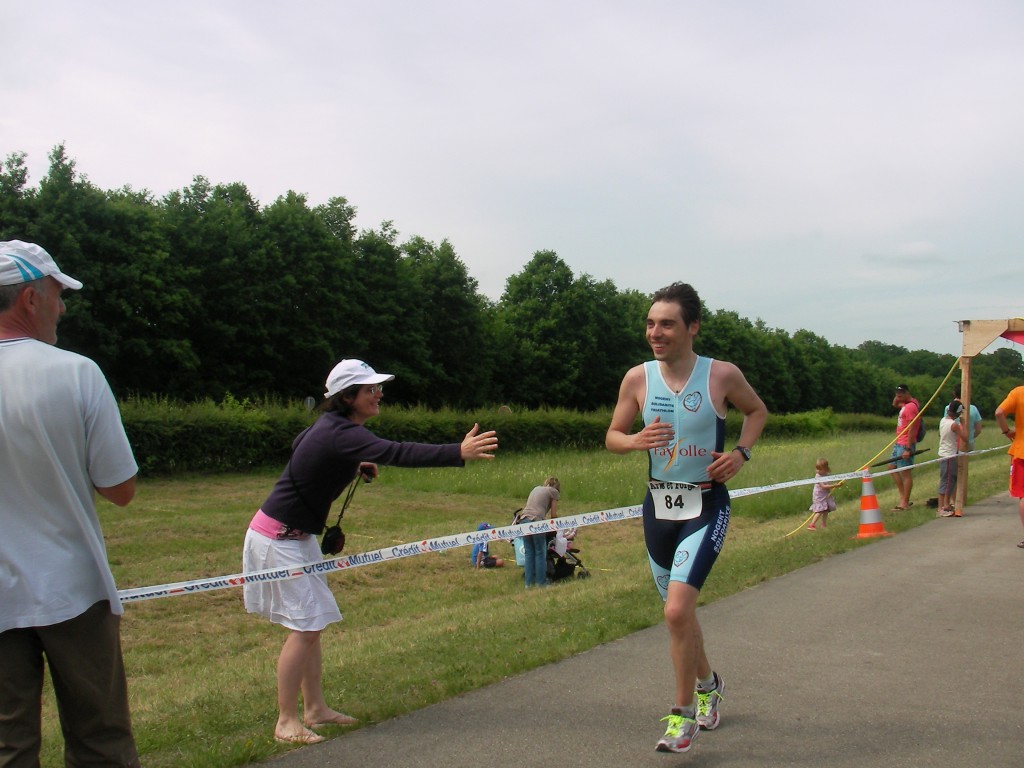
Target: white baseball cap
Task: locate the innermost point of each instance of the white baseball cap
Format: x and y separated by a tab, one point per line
350	372
22	262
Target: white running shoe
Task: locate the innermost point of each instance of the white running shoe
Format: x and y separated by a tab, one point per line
680	733
707	705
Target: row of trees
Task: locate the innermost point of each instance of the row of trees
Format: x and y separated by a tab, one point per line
204	292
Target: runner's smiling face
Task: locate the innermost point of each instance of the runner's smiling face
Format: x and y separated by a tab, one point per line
670	337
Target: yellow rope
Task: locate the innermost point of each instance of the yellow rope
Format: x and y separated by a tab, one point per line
913	423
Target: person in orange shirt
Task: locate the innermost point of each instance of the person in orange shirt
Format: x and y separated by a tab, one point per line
1013	407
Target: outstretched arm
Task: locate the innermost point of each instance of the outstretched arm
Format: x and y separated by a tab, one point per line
479	445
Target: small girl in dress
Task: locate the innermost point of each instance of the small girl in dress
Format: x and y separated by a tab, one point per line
821	497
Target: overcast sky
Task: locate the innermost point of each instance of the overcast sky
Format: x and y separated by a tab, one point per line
854	169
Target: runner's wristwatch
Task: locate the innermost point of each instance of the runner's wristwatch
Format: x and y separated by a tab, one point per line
744	452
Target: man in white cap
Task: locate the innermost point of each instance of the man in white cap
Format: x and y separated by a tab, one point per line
61	441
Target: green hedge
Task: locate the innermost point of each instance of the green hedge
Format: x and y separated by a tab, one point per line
169	437
234	435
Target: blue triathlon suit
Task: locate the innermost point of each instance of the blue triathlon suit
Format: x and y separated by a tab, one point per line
685	550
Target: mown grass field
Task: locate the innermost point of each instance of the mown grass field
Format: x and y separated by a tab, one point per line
427	628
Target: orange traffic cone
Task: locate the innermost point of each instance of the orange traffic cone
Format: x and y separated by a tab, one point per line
870	516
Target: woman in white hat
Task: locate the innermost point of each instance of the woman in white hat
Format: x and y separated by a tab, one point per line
325	458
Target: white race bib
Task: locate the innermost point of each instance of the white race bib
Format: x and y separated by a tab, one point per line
675	501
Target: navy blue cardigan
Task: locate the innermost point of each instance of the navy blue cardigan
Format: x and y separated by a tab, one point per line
325	459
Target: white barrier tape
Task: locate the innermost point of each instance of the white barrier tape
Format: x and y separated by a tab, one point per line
442	543
346	562
858	474
741	492
917	465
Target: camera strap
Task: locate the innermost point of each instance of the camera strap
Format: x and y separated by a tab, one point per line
333	542
348	498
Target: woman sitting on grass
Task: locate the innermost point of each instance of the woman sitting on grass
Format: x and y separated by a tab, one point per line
325	458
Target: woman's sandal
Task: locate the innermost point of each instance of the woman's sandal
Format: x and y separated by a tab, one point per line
339	718
302	737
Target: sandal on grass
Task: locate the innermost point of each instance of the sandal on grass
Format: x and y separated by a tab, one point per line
300	737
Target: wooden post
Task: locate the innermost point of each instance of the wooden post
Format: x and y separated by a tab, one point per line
977	334
962	461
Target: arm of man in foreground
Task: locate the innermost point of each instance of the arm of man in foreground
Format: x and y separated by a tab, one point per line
120	494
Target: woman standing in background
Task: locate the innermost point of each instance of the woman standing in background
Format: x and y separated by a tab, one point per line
543	500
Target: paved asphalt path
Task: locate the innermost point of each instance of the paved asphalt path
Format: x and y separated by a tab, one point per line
907	652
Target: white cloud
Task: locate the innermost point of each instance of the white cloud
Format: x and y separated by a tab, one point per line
806	163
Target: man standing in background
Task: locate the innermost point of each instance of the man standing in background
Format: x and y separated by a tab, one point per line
61	441
902	457
1013	407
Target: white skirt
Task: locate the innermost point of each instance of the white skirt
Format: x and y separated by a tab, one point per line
305	603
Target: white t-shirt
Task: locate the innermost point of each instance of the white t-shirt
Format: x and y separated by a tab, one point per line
947	438
60	435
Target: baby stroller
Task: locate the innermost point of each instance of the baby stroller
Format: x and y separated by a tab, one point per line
563	559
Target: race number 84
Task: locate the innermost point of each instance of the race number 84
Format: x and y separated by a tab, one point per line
678	502
682	503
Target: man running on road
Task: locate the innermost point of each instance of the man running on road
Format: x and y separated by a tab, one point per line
683	399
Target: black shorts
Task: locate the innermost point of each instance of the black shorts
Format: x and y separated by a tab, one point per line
685	551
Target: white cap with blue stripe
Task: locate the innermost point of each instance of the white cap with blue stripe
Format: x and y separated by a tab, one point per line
22	262
350	372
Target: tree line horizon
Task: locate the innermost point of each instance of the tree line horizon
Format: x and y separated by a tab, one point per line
205	294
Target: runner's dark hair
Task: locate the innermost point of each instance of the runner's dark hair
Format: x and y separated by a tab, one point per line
685	296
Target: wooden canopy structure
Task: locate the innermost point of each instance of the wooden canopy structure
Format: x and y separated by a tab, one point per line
978	334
